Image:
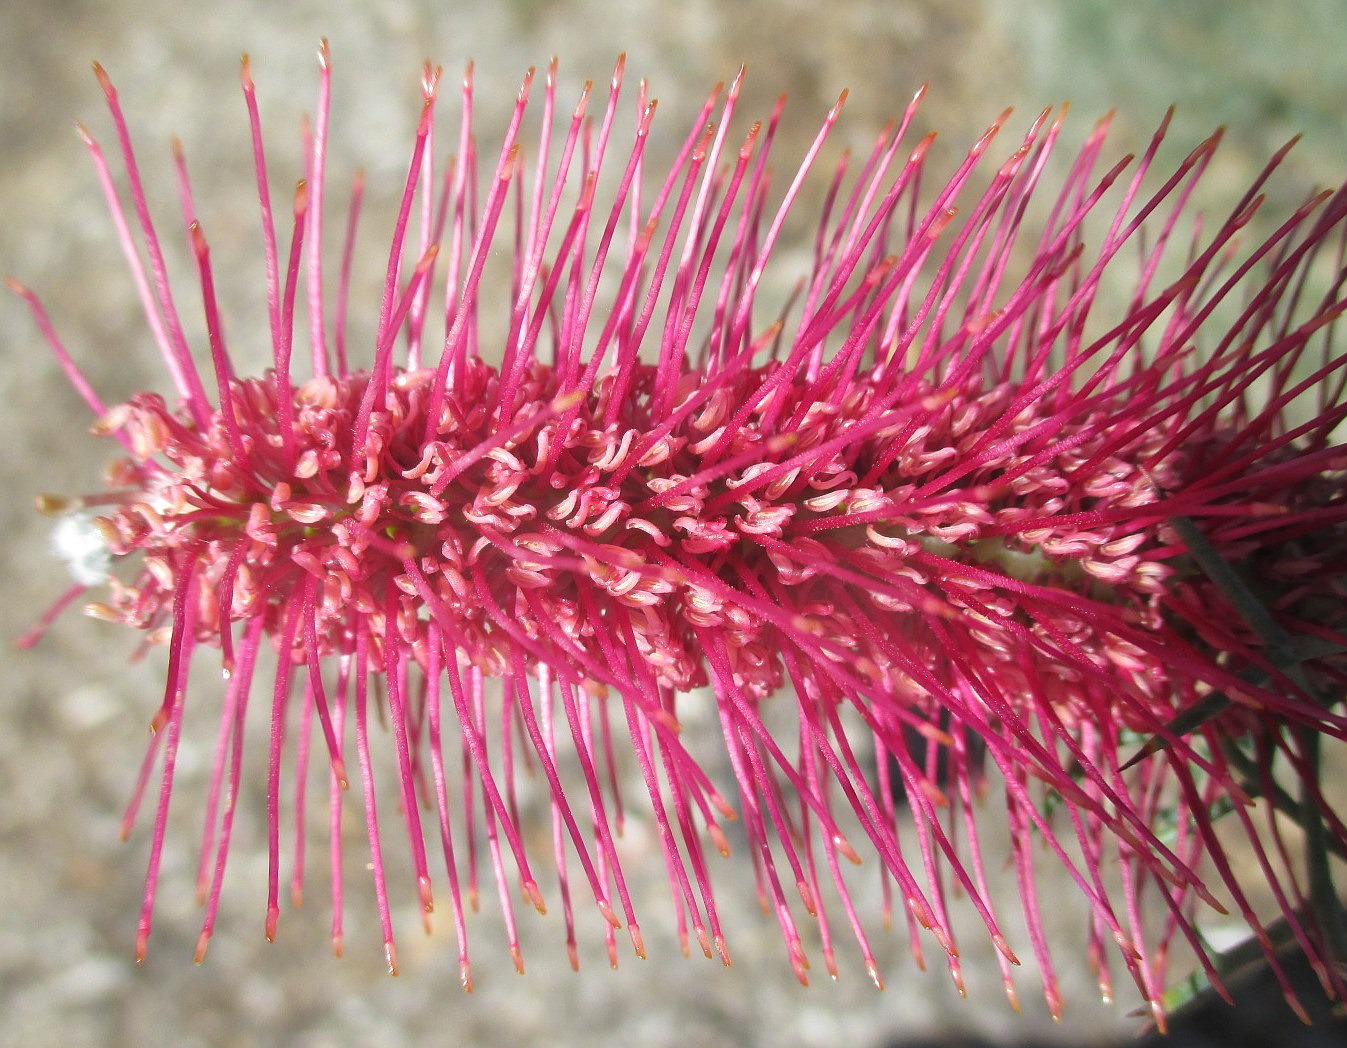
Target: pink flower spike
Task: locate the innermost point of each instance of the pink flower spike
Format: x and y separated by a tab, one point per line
1024	508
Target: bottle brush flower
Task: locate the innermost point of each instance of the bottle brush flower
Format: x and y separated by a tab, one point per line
1027	506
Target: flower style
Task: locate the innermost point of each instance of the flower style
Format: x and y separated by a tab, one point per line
974	535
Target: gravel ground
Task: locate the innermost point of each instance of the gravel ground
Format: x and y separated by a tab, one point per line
75	709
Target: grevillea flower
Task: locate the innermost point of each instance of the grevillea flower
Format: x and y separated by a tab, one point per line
940	539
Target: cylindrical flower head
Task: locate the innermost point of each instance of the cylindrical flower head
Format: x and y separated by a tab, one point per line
1028	505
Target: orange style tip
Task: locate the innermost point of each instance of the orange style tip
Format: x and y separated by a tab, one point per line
1054	1005
273	916
1125	945
55	505
922	148
391	959
807	897
872	970
426	924
518	959
1014	998
297	896
930	731
338	946
747	148
573	956
17	288
606	909
648	118
124	834
474	900
704	942
848	852
722	950
428	258
1101	125
699	154
246	71
637	942
465	978
423	890
1203	893
583	103
801	975
959	984
104	81
142	944
534	896
594	689
669	721
201	944
999	941
324	54
723	806
158	721
719	839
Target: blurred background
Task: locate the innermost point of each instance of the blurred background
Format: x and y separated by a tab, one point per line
75	711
